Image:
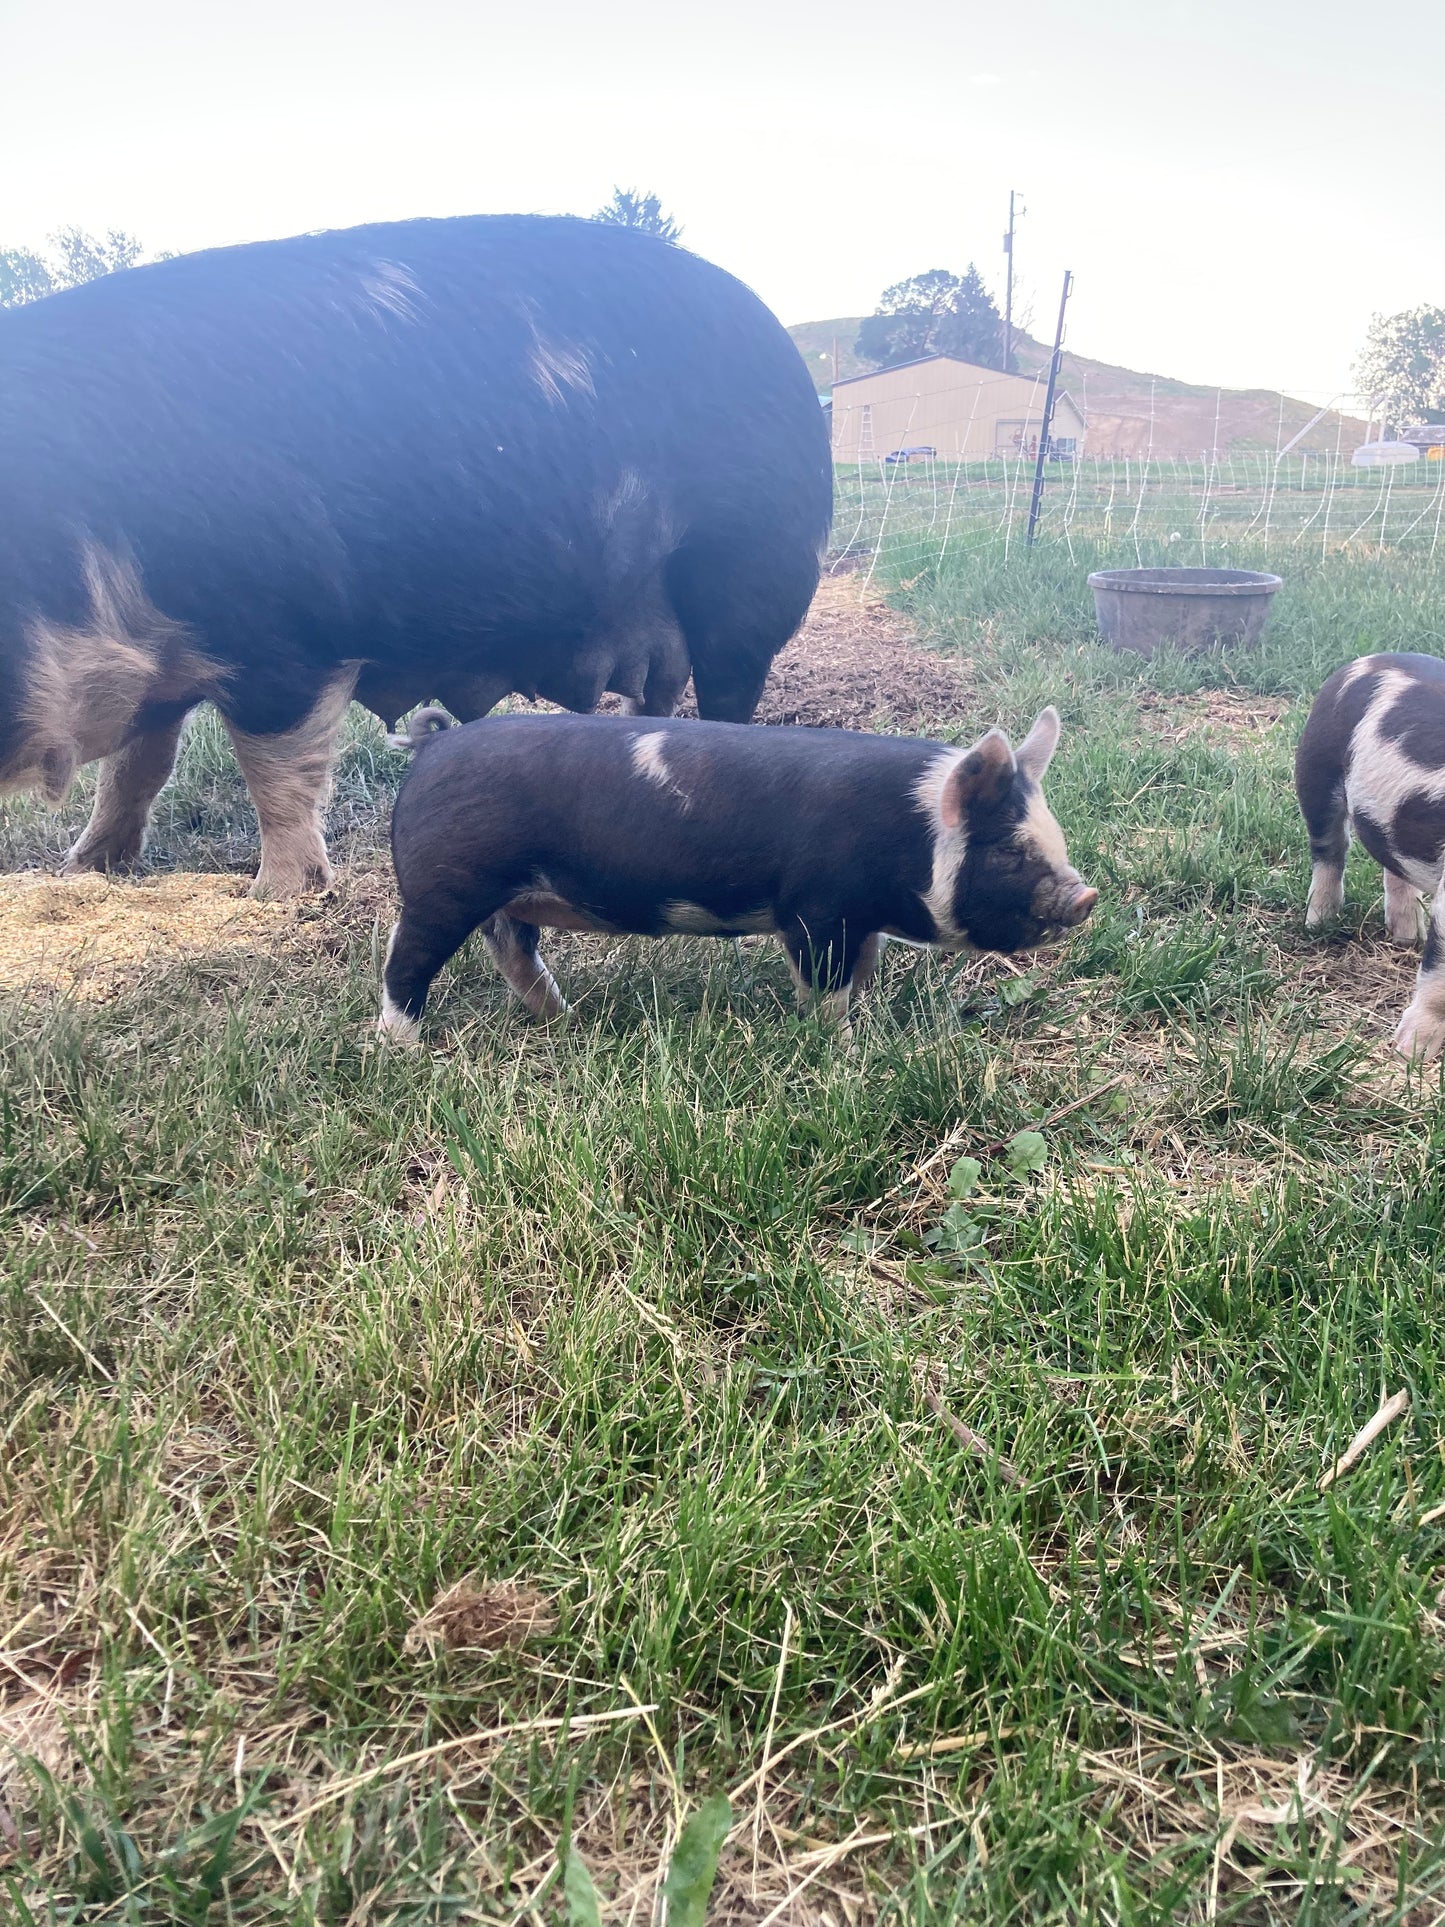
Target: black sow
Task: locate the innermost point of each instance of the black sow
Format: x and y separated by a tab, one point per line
435	459
827	839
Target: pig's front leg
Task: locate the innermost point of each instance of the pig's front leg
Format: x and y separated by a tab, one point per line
828	965
1422	1028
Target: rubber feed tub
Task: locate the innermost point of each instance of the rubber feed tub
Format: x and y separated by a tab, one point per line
1190	608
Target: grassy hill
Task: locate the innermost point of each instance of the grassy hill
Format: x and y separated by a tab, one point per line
1119	400
815	341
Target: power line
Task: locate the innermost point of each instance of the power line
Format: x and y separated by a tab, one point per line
1008	294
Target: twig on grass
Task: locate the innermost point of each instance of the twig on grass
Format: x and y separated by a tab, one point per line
772	1727
84	1350
953	1743
1365	1438
970	1440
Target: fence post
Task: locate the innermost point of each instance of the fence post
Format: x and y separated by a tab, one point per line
1038	494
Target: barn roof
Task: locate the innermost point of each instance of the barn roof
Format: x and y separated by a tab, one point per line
918	362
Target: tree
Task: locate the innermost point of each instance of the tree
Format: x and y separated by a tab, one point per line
628	208
74	256
1402	369
936	313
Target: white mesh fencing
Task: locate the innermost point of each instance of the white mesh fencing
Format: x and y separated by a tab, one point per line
1211	510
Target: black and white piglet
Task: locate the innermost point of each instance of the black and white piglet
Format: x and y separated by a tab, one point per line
1372	760
826	839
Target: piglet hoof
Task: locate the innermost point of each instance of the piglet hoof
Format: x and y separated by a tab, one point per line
1408	926
1420	1035
394	1026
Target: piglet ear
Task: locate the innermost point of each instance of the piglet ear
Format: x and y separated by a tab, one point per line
982	775
1036	751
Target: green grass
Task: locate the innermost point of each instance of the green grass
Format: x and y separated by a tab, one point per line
671	1315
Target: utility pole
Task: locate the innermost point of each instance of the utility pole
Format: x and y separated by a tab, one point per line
1058	356
1008	290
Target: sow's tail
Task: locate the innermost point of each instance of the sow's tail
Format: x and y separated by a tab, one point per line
424	725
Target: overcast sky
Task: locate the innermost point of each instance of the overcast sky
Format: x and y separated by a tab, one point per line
1237	187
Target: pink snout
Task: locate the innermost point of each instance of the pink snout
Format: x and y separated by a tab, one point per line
1079	905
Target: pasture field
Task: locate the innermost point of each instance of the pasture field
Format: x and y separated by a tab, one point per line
1246	509
921	1446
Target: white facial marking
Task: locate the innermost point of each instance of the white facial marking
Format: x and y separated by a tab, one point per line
949	846
1041	828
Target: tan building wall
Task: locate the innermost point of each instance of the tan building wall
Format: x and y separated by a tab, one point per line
964	412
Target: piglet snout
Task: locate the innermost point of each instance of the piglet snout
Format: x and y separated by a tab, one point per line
1080	905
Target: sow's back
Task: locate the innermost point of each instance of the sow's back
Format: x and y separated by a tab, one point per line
428	459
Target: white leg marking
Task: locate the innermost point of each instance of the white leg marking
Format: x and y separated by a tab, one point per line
1421	1030
289	776
1404	910
1327	894
394	1024
833	1010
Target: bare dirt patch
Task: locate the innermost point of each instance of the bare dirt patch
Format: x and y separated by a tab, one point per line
856	664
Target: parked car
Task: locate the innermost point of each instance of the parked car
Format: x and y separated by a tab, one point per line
922	453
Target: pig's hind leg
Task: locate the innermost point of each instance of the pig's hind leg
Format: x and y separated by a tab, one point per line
1404	910
514	951
419	946
1322	804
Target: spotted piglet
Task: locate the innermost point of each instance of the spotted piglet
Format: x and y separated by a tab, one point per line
827	839
1372	760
